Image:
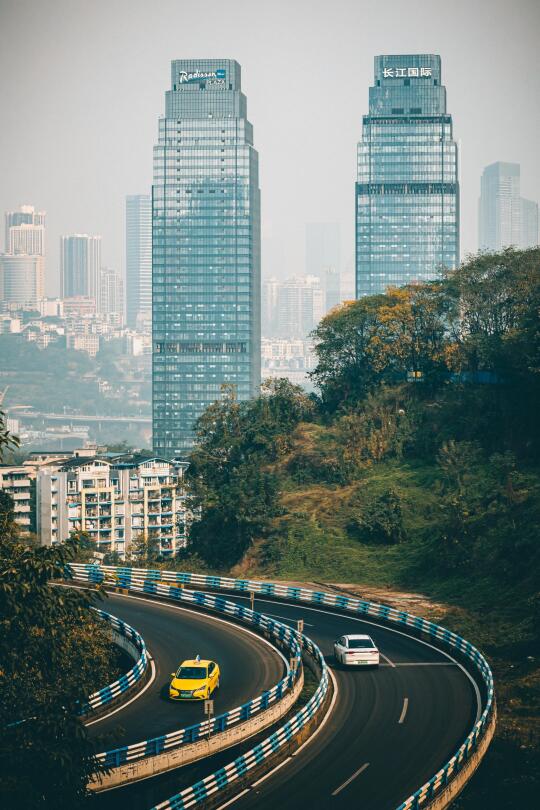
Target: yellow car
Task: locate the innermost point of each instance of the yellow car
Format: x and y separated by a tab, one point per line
194	680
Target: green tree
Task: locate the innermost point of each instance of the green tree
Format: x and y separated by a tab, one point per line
379	520
53	654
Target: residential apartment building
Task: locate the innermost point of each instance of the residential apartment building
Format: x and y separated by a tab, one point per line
18	482
115	503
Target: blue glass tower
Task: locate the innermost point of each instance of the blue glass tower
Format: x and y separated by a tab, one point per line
407	191
205	250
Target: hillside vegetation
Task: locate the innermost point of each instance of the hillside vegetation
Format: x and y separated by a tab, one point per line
416	466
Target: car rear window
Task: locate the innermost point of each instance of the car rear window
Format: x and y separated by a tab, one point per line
360	643
194	673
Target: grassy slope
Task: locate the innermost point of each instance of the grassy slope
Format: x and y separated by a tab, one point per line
489	613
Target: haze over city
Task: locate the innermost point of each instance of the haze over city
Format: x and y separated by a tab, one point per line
82	88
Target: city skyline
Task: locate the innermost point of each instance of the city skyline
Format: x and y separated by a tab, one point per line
493	121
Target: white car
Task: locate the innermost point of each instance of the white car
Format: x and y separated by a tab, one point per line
356	651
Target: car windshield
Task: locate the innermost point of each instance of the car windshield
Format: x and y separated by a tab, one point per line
360	643
193	673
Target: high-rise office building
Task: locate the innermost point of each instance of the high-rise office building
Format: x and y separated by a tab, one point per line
25	231
21	280
300	306
504	218
529	223
499	207
407	191
80	266
205	250
22	264
138	257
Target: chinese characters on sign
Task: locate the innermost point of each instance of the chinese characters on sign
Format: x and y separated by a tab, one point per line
406	72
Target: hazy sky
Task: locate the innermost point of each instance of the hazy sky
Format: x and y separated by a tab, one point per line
82	84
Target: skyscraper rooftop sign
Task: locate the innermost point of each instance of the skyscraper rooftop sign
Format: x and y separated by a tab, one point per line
198	75
406	72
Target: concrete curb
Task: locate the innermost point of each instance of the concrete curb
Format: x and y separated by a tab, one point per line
177	757
460	780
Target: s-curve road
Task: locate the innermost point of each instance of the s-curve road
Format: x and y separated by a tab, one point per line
389	730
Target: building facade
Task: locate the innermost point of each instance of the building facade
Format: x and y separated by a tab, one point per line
499	207
529	223
407	190
205	250
25	231
19	483
114	503
138	257
111	294
80	266
300	306
504	218
21	280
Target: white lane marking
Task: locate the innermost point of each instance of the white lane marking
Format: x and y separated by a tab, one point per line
404	710
258	782
422	664
234	799
349	780
149	601
136	697
295	753
391	663
399	633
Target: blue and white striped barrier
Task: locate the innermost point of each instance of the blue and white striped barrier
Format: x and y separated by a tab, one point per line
283	635
124	682
406	621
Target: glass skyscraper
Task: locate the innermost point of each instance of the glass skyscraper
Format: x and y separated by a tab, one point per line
407	191
205	250
138	257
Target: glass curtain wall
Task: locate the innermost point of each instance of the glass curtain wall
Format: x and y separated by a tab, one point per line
205	251
407	191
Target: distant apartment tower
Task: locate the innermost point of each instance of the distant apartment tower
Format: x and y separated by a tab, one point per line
25	231
138	257
22	264
80	265
300	306
499	208
407	191
504	217
269	292
529	223
111	294
323	247
205	250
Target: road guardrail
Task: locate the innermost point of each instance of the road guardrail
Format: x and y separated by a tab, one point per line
133	643
470	751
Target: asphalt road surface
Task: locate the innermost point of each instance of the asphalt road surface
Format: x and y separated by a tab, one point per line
389	731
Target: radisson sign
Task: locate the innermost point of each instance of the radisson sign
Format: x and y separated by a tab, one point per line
198	75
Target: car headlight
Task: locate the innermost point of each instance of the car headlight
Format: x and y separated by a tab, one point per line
173	691
199	690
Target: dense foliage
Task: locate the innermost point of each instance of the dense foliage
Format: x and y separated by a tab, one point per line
53	654
444	374
234	493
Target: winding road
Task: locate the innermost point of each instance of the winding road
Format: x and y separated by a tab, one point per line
389	729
